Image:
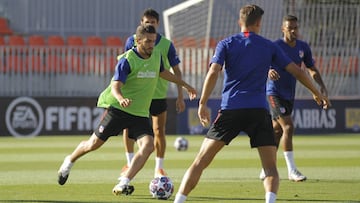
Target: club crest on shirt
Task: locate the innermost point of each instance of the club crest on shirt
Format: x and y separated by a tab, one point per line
101	129
301	53
282	109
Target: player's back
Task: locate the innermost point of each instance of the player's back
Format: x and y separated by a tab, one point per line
247	58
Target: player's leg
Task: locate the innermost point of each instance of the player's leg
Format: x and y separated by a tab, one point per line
278	132
271	182
109	125
139	130
287	144
158	124
83	148
208	150
146	147
129	150
159	115
287	127
262	137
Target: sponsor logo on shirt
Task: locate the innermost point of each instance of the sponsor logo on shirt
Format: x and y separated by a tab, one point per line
146	74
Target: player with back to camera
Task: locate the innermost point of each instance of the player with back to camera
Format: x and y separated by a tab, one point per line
158	108
281	91
246	58
127	100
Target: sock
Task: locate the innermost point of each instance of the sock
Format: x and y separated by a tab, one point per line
270	197
124	181
159	163
289	158
67	160
129	157
179	198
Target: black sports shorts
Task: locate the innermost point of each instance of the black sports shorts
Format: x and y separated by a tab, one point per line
158	106
256	123
279	107
114	121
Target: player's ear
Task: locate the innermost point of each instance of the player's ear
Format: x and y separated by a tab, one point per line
239	23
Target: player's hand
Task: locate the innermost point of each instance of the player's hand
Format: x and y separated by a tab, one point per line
125	102
326	103
191	92
180	105
273	74
204	115
323	101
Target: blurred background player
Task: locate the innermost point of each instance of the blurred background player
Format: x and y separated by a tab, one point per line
158	108
246	58
281	91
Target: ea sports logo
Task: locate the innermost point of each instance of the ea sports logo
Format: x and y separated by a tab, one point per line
24	117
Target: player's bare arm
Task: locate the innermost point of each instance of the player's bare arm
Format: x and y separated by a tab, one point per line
180	104
315	74
300	75
208	87
167	75
115	90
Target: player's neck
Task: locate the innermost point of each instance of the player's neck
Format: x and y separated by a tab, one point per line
247	29
290	43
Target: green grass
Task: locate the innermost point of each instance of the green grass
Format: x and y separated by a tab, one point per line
28	171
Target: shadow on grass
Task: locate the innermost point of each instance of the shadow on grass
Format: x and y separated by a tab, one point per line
191	199
207	199
44	201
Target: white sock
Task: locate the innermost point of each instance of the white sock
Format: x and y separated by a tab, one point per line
129	157
179	198
67	160
67	164
159	163
124	181
270	197
289	158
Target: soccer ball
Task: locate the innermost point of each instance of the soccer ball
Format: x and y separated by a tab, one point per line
161	187
181	144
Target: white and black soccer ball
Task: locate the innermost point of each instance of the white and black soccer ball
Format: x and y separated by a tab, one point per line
181	144
161	187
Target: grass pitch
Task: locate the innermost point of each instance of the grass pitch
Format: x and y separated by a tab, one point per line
28	171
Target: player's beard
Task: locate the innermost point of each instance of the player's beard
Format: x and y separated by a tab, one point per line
148	51
145	52
292	37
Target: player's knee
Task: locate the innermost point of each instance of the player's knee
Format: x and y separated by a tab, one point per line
148	148
288	129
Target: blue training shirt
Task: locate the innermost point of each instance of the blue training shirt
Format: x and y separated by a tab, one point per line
247	58
286	85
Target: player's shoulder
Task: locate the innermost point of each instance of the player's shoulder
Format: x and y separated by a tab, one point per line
279	41
164	39
302	43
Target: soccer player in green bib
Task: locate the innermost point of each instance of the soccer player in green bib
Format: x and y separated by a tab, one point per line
127	100
158	107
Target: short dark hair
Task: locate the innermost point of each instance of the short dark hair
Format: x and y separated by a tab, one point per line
141	30
250	14
290	18
149	12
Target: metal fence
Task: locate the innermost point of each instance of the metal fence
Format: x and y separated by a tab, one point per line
78	17
77	71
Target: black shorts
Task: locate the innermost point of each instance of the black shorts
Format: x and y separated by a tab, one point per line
279	107
115	120
158	106
255	122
